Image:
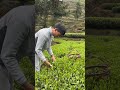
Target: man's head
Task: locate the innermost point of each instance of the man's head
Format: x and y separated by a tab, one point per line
58	30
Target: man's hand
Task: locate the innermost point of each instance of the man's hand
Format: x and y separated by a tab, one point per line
28	86
48	64
53	58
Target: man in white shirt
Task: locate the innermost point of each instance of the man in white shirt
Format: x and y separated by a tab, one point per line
43	42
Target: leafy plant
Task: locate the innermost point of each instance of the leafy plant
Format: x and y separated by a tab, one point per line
66	74
104	53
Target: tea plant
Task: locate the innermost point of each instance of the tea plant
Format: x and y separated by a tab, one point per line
102	50
67	73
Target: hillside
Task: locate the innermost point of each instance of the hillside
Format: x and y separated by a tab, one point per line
72	24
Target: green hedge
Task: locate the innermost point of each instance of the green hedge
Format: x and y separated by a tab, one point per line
102	23
109	6
116	9
74	35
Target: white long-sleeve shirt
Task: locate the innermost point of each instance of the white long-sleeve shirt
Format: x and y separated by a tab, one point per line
44	39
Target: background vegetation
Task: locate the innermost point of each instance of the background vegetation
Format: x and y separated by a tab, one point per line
102	44
70	13
103	50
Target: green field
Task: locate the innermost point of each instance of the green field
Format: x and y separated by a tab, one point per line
103	50
68	71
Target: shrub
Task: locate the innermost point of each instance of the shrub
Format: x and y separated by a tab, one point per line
74	35
102	23
67	73
109	6
116	9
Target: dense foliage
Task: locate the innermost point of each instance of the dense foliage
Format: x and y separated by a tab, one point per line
68	71
78	11
103	50
47	8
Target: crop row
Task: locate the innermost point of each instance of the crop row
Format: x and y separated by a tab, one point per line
102	22
74	35
109	6
67	73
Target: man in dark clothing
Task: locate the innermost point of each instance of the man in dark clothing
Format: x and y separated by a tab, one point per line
17	39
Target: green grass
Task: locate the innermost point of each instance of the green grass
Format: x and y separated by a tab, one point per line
102	50
66	74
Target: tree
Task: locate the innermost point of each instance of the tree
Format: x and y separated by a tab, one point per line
42	10
54	8
78	10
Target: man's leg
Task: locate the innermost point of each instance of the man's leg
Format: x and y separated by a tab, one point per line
5	80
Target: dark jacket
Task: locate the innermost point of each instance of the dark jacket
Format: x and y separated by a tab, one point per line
17	39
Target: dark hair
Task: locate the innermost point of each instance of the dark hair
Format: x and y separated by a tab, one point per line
60	28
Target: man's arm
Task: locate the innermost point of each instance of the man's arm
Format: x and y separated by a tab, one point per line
50	50
51	53
15	35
